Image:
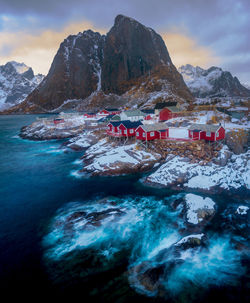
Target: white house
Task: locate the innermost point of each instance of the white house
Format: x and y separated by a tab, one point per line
132	115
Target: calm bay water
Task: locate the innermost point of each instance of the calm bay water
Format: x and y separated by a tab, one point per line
37	179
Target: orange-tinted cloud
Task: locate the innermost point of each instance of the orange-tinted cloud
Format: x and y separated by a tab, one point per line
185	50
39	50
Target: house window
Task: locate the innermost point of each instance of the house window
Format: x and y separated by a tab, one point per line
125	132
131	131
120	131
137	134
217	135
208	134
152	134
144	135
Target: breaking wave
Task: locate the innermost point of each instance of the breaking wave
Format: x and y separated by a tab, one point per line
147	229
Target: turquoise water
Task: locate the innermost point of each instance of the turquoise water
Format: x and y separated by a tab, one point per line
39	189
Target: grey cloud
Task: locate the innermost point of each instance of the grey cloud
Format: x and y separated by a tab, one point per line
222	25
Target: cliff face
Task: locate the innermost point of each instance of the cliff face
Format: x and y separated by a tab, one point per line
131	50
213	82
89	63
74	73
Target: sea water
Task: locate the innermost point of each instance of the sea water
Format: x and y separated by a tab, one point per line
40	186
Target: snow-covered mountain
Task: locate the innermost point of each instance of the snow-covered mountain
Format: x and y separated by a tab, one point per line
17	80
90	67
246	85
213	82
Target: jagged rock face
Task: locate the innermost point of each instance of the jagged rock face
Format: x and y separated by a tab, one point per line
17	80
131	50
129	55
213	82
74	73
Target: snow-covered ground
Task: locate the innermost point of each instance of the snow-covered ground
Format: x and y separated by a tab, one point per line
82	141
195	203
179	132
104	158
234	174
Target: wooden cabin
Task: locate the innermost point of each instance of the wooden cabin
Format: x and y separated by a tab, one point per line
112	129
128	128
89	115
169	113
132	115
150	113
160	105
206	132
58	121
109	111
152	131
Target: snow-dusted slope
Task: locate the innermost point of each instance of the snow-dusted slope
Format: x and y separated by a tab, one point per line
17	80
213	82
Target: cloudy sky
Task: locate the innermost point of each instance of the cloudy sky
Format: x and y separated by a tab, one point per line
199	32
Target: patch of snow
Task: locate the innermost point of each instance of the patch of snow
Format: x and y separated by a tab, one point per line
195	203
104	157
242	210
20	67
234	174
178	132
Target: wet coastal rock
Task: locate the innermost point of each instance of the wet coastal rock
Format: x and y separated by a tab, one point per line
148	277
38	131
236	219
87	221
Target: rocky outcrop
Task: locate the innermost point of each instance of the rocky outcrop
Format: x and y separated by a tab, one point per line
17	80
213	82
46	130
149	277
237	140
111	159
181	173
88	63
237	220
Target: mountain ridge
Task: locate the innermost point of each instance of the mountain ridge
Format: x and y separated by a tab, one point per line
212	82
17	80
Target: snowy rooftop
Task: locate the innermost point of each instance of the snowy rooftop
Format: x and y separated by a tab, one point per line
204	127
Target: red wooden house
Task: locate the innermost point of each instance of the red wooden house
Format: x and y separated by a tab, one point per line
89	115
112	128
127	128
206	132
152	131
150	113
58	121
109	111
169	113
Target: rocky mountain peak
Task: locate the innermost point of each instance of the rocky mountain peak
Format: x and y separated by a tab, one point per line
131	50
17	80
212	82
89	63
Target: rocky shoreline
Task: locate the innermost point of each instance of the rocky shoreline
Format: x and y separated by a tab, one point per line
39	132
194	166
